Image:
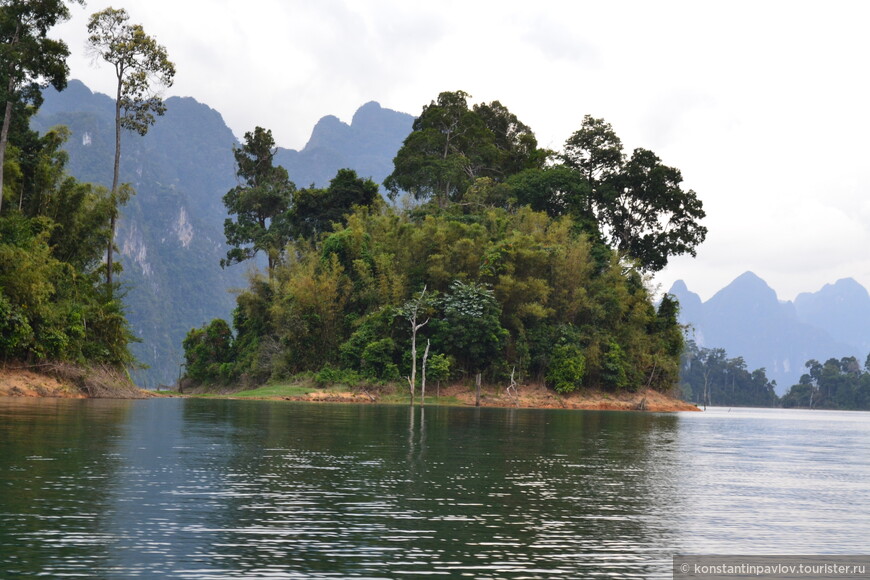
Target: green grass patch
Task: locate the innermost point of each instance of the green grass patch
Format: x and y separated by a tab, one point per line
281	390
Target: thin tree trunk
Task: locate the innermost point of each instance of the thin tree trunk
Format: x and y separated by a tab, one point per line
423	372
115	179
477	390
7	114
412	380
4	137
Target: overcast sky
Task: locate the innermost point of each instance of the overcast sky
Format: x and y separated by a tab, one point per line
764	106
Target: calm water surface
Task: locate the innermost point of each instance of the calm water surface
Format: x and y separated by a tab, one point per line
248	489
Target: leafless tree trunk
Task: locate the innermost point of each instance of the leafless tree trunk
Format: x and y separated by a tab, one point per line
4	137
477	390
512	389
423	373
412	318
116	170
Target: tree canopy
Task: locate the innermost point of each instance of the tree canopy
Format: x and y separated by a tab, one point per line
452	145
141	68
29	58
634	204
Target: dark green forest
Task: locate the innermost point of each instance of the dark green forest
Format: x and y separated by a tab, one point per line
493	257
54	231
54	303
835	384
709	377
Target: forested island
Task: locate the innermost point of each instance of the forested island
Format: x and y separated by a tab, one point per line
496	261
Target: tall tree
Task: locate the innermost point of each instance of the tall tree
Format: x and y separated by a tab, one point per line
29	58
261	202
452	145
595	151
442	155
640	206
142	67
649	216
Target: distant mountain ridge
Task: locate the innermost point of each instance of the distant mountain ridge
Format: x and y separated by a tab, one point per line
171	235
367	145
747	319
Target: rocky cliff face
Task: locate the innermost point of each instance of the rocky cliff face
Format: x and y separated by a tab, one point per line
171	236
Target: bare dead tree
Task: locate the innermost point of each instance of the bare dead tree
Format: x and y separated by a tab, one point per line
423	373
412	311
477	390
512	389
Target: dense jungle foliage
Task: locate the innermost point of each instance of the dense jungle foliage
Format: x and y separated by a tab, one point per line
503	258
54	303
709	377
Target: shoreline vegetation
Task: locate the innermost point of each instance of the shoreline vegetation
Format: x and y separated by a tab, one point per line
67	381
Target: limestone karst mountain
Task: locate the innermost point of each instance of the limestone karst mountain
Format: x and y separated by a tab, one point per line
171	235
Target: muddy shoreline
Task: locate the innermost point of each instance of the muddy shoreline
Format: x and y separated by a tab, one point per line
29	383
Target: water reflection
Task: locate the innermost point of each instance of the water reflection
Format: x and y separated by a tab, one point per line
391	491
57	463
232	489
775	481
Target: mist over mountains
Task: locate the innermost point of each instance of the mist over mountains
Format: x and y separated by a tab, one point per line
170	235
747	319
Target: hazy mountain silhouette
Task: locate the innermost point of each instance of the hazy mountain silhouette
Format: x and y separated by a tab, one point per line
747	319
842	309
171	235
367	145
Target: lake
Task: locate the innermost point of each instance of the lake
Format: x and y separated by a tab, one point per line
198	488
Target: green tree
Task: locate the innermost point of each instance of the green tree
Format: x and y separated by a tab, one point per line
261	202
452	145
208	352
516	144
470	327
639	204
29	58
596	152
559	191
442	155
438	369
315	210
567	368
141	65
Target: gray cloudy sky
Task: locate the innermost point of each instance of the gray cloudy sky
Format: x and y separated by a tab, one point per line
764	106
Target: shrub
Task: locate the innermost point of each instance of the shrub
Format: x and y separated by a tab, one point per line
567	368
